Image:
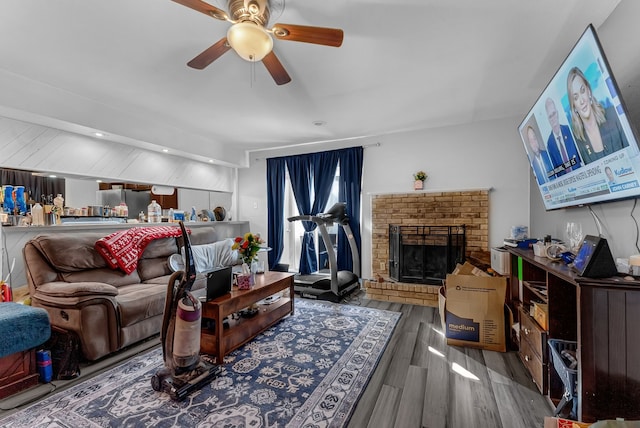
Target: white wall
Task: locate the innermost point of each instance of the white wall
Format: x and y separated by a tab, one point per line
33	147
620	39
482	155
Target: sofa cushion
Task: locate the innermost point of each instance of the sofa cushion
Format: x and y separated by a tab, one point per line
199	236
70	252
138	302
117	278
160	248
155	258
153	268
77	289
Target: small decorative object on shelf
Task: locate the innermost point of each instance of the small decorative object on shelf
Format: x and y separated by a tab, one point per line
419	178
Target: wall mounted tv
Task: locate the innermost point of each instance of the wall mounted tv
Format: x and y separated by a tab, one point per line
580	144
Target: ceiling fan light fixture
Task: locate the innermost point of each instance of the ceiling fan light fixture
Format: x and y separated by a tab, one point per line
250	41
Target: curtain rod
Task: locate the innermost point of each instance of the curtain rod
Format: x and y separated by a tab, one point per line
366	146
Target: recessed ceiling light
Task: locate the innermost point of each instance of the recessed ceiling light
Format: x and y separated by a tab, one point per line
319	122
98	181
210	160
165	150
52	176
98	134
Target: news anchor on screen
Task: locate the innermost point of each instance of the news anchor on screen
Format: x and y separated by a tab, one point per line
538	157
562	149
597	129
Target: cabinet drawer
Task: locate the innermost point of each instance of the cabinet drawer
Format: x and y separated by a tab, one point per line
534	365
531	332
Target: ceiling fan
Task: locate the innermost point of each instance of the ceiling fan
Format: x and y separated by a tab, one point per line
250	37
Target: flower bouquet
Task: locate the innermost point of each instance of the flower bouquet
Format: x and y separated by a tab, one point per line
248	247
420	175
419	178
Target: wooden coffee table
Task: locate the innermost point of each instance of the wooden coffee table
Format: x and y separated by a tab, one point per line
219	341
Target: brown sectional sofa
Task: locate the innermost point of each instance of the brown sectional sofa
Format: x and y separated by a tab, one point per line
107	308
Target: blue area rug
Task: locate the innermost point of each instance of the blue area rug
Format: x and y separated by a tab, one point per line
309	370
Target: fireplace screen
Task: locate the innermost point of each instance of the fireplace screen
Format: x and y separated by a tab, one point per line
425	254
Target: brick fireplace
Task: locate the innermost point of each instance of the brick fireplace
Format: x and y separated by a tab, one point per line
466	207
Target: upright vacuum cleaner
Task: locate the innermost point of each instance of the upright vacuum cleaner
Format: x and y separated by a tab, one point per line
184	371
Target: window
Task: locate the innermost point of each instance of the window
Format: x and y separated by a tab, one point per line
293	231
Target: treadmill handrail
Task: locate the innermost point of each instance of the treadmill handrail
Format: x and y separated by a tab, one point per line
312	218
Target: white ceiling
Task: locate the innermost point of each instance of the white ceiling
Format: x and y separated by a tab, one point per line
119	66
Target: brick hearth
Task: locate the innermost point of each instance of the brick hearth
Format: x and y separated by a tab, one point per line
470	208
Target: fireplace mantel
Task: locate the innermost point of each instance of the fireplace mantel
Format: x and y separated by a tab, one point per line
405	192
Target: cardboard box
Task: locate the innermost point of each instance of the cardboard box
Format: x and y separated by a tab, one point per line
541	314
550	422
468	269
472	309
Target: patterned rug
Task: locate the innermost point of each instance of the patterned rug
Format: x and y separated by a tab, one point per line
309	370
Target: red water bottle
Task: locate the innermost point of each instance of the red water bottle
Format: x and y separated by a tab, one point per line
5	292
43	360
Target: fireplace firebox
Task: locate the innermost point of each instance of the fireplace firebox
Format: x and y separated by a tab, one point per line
425	254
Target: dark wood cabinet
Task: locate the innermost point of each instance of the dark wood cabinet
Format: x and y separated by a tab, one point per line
601	316
610	349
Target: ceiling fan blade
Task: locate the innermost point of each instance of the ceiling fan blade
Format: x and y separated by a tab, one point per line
205	8
275	69
303	33
210	54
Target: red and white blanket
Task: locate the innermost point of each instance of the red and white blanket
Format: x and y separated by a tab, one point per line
123	249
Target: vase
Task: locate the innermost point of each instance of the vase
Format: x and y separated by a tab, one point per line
418	185
257	266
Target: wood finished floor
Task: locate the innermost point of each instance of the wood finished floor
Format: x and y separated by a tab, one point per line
412	387
414	384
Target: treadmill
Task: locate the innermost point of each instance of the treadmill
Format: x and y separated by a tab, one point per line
335	285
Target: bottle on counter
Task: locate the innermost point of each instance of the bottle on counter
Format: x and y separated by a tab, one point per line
141	217
154	212
37	215
171	215
58	202
123	210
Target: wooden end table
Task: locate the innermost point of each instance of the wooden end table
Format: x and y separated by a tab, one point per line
219	341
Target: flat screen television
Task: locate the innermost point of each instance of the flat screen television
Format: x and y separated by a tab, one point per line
577	136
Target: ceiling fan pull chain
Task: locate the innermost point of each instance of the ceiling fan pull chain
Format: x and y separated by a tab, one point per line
252	73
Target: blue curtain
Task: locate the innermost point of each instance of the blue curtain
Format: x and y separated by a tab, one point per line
350	192
275	208
317	170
